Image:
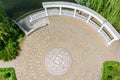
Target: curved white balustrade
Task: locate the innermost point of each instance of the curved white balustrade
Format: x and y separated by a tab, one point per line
110	35
75	10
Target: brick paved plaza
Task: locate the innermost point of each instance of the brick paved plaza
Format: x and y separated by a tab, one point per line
66	49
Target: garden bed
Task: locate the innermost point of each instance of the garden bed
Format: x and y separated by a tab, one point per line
7	74
111	70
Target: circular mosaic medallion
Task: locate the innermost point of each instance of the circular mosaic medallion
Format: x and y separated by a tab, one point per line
58	61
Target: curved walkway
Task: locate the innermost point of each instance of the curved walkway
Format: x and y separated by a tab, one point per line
85	46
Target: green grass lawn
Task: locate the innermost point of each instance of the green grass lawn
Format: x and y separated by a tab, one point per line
111	70
7	74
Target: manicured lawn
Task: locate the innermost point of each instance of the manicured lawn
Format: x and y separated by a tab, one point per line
7	74
111	70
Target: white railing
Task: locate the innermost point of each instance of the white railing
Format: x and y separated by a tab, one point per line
33	22
38	24
37	15
59	8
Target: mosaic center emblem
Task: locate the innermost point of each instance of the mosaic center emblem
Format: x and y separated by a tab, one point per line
58	61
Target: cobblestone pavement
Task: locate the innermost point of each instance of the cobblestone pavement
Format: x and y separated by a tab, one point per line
67	49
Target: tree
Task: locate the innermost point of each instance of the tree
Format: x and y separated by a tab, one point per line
9	36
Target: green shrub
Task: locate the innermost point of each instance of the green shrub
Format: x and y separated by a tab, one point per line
10	37
7	74
111	70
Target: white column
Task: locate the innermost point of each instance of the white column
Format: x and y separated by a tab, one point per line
74	12
100	28
89	18
46	12
109	43
31	19
60	10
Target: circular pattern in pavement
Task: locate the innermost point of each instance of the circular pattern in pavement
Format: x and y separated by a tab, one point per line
66	49
58	61
60	52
